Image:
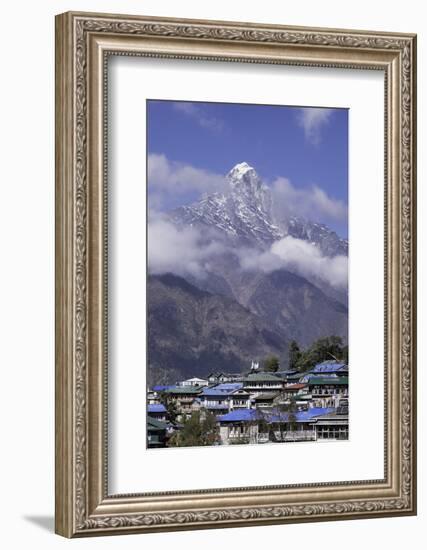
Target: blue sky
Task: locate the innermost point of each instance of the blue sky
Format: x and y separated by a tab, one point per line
200	142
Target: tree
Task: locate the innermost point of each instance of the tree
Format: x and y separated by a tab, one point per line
210	429
345	354
170	406
271	364
324	349
286	412
200	429
294	355
251	431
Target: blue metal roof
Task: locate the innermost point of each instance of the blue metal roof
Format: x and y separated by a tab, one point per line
229	386
213	392
300	416
249	415
159	408
329	366
241	415
222	389
163	387
306	416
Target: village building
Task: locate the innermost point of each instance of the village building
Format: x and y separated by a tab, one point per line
294	389
154	394
214	400
297	377
327	368
242	426
334	425
158	411
223	377
291	426
326	391
157	433
295	394
265	400
240	399
153	398
184	399
262	382
286	374
224	397
313	424
196	382
256	426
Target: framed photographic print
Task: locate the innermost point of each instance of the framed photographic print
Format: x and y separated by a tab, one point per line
235	274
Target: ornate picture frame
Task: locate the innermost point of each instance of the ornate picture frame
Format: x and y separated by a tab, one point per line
84	42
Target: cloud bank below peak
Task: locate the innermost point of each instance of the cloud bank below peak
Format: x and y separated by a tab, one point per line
298	256
182	251
191	251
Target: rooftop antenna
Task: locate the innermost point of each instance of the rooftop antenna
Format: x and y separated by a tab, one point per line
254	365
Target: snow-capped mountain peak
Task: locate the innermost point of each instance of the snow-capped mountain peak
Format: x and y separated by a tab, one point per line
249	194
245	212
244	178
239	170
245	182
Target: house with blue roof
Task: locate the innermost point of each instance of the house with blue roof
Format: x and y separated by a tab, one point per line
224	397
154	394
243	426
157	411
295	426
326	368
276	426
297	377
162	387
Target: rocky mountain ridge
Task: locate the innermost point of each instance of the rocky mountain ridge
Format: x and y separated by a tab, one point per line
244	212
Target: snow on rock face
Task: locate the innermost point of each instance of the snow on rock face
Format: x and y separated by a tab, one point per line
319	234
246	185
240	170
245	212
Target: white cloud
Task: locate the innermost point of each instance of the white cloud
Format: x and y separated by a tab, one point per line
166	179
192	251
312	120
312	203
183	251
298	256
198	113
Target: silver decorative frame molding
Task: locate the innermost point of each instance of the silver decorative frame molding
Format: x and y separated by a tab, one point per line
83	42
